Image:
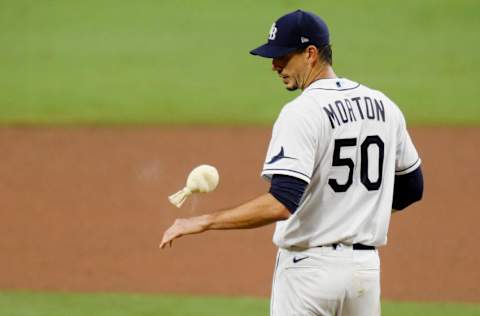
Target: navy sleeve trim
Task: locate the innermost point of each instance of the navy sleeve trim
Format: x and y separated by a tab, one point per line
303	174
288	190
413	164
407	189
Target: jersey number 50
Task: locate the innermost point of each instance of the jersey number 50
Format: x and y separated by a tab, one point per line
348	162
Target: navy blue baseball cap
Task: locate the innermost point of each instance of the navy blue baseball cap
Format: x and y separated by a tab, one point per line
292	31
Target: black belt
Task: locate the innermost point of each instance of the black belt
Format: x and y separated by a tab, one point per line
354	246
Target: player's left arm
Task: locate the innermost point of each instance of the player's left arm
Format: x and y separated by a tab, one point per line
260	211
408	183
407	189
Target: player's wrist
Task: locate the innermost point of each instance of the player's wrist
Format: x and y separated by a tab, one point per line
205	221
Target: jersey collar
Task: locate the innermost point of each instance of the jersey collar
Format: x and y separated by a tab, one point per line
335	84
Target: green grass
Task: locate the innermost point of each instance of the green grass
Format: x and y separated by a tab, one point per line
185	61
59	304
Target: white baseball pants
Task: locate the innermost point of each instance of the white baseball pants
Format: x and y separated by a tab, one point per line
325	281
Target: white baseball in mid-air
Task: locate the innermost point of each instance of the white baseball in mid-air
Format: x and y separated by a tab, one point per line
202	179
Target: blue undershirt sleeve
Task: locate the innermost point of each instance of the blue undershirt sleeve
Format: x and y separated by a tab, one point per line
408	189
288	190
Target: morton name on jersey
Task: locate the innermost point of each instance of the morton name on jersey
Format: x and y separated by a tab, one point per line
347	142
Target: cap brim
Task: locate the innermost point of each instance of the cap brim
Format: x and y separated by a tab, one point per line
271	51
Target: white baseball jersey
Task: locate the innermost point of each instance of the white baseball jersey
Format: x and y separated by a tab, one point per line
347	142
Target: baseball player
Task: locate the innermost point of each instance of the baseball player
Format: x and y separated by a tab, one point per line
339	160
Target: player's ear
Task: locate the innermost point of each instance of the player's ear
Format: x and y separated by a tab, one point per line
312	54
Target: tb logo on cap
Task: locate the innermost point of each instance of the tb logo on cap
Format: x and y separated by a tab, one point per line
273	32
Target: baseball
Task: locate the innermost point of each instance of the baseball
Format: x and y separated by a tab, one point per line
202	179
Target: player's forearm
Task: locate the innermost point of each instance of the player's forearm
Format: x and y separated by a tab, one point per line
261	211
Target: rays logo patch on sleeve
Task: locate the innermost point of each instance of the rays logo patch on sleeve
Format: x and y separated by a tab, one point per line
280	155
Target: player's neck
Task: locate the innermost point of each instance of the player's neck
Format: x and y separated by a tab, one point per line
322	72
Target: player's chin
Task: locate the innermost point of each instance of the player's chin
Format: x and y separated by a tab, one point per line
291	86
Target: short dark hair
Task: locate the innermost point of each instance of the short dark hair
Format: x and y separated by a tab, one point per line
325	54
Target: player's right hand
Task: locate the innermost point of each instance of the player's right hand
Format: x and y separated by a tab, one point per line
182	227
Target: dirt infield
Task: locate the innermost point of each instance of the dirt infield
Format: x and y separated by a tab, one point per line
83	209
